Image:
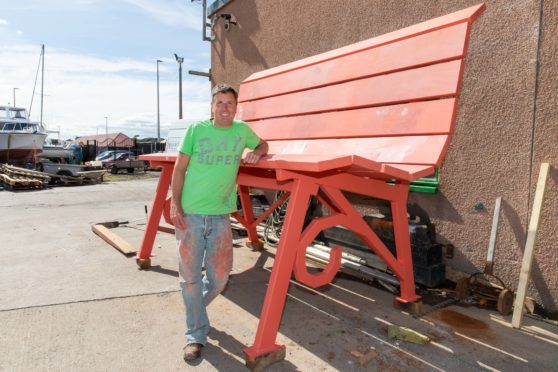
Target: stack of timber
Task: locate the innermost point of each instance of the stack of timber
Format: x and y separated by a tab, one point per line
16	178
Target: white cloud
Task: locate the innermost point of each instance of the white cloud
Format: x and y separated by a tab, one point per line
81	90
176	13
19	32
3	22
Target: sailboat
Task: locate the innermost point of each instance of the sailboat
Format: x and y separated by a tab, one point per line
20	138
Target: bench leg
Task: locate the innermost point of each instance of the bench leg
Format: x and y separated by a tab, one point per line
402	266
253	240
404	256
144	253
265	350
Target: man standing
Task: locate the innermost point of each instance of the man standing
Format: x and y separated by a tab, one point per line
203	196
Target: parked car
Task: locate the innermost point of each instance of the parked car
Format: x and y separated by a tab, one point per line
108	161
105	155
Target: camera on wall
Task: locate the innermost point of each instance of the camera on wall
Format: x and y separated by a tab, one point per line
229	21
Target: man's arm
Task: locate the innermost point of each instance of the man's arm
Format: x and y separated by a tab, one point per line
177	184
254	156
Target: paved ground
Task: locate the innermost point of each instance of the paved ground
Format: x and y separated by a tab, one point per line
70	302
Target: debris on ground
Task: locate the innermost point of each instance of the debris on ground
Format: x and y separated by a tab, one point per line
407	334
364	358
102	230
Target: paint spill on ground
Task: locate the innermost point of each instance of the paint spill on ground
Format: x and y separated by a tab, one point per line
460	320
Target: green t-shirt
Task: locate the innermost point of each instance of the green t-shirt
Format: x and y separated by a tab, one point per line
215	154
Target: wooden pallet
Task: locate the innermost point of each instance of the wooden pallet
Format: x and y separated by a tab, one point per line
15	178
13	170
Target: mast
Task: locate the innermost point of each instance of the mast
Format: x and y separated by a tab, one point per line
42	81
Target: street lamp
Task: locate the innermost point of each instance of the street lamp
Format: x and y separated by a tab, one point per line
106	131
14	97
179	60
158	111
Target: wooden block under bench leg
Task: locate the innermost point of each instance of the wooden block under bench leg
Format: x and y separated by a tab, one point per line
143	264
255	246
260	362
414	307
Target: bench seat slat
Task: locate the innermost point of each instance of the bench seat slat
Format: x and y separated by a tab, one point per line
436	81
464	15
440	45
348	164
307	163
405	172
418	118
427	150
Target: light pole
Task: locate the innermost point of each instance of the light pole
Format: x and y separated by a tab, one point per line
179	60
14	97
106	131
158	111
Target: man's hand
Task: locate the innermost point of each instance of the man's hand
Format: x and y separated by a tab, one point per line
177	217
253	157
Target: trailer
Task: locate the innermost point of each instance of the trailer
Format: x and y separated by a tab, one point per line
72	174
129	165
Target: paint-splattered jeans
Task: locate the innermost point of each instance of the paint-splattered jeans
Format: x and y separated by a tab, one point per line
207	242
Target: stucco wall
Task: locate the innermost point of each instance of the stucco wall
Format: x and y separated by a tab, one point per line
506	125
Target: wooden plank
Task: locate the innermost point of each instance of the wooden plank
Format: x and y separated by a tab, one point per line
423	150
528	254
418	118
434	47
113	239
436	81
464	15
493	235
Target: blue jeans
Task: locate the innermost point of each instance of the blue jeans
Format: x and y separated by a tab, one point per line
206	242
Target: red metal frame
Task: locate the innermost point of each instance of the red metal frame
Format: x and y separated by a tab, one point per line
158	204
291	253
321	172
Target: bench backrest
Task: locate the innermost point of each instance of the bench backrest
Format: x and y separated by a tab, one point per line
390	99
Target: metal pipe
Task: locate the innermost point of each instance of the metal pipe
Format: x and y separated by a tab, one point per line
158	111
200	73
353	267
180	90
179	60
15	97
204	21
106	131
350	263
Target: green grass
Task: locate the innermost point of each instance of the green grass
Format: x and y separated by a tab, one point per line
129	177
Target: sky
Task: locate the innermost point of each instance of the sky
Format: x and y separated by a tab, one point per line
100	61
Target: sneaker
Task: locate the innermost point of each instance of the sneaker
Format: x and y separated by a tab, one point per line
192	351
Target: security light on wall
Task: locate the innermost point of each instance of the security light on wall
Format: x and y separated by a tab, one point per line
229	20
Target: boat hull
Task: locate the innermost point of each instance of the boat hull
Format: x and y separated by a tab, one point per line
17	147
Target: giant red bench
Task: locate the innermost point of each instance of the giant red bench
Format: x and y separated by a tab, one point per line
346	120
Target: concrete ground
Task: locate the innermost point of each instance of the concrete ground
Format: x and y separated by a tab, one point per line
70	302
